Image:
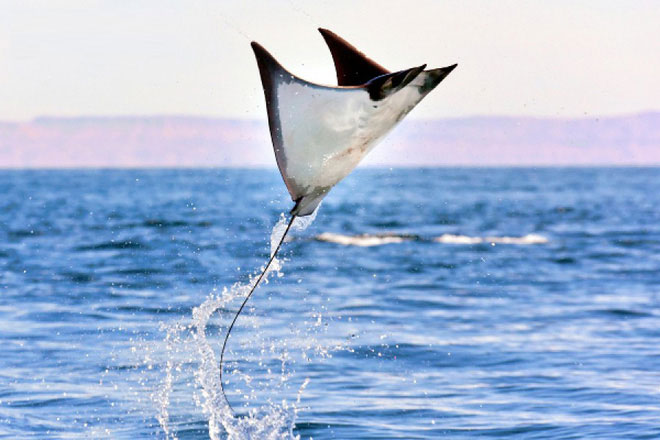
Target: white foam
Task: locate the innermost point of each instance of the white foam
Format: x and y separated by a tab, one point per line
458	239
525	239
363	240
465	239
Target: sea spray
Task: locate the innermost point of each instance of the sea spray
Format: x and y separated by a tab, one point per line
162	395
274	421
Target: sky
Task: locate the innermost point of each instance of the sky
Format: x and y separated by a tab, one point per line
160	57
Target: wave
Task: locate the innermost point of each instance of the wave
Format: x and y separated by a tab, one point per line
363	240
366	240
112	245
465	239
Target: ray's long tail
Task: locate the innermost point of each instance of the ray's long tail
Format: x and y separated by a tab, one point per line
247	298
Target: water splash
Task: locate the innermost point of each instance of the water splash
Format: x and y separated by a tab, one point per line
271	421
162	395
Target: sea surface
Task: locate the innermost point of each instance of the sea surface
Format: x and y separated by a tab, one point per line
491	303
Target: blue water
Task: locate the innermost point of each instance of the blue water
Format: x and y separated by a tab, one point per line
100	272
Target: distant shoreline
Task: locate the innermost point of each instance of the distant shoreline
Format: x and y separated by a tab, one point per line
203	142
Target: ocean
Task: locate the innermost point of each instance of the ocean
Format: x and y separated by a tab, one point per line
423	303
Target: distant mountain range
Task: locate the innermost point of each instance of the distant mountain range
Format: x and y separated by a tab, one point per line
174	141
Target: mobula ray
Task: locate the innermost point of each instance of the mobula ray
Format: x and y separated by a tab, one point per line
320	133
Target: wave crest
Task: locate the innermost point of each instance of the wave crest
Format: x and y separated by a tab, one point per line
366	240
464	239
362	240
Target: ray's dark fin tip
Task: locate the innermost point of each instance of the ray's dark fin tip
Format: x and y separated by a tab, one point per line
353	67
259	50
262	53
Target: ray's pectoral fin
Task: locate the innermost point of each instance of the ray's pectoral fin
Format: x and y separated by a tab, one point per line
268	69
383	86
353	67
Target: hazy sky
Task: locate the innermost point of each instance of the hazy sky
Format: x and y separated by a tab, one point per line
121	57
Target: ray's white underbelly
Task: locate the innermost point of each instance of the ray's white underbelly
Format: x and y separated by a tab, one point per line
326	133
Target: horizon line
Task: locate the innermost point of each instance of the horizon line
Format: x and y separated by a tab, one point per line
155	116
361	166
